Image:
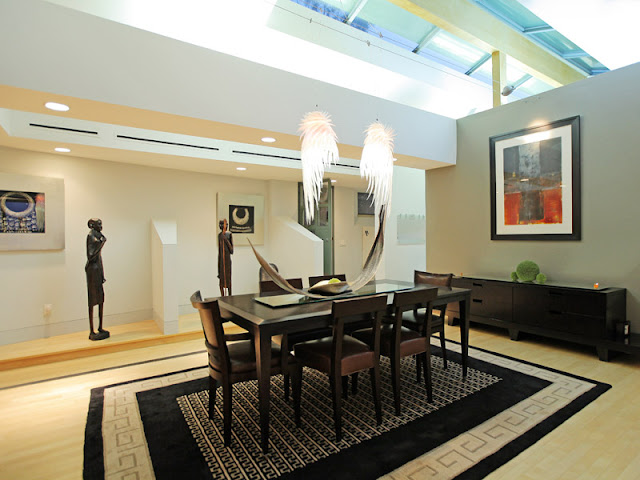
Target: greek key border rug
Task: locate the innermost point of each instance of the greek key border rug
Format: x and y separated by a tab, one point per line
158	427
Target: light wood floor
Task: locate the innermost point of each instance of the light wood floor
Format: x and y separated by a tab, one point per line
43	409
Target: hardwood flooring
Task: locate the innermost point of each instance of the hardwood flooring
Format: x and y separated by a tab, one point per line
43	409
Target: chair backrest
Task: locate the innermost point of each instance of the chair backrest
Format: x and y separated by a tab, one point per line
271	286
353	310
263	275
318	278
213	330
441	279
411	300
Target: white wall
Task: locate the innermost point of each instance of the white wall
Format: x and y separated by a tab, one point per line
348	232
126	198
164	273
408	198
458	223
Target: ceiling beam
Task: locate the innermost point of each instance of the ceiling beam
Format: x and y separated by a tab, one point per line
478	27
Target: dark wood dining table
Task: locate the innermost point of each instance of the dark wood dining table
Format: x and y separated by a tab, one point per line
264	321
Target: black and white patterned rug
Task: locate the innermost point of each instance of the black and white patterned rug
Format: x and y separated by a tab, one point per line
159	427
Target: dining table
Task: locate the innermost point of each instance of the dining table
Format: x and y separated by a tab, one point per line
265	316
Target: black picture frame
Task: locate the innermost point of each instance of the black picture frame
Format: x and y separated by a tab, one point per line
535	182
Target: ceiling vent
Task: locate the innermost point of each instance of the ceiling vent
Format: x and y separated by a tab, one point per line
63	129
283	157
165	142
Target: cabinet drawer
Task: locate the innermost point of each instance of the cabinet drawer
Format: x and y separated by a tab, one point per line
583	303
489	307
584	325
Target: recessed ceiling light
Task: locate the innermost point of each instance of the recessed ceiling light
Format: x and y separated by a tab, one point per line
395	159
268	139
241	168
62	149
58	107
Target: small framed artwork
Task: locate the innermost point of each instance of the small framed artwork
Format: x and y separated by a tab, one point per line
365	204
245	216
31	212
535	183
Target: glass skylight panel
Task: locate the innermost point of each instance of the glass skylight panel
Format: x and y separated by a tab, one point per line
395	19
452	51
326	8
513	11
556	42
534	86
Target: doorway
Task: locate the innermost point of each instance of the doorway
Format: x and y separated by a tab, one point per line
322	225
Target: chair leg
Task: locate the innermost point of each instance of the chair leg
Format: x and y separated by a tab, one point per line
395	381
286	387
336	383
354	383
345	387
297	392
227	395
443	347
427	375
374	373
418	368
213	389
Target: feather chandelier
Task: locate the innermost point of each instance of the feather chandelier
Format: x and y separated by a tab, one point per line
319	150
376	164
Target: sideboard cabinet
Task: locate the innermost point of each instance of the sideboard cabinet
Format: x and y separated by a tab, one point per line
581	315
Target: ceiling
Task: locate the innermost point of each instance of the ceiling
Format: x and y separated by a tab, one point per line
146	106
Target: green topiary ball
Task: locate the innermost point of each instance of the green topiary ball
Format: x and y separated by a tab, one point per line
527	271
514	277
541	278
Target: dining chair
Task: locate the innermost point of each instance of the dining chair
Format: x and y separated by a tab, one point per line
232	358
263	275
318	278
415	320
341	355
269	286
397	341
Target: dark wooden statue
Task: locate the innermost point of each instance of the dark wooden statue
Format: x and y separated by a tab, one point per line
225	249
95	276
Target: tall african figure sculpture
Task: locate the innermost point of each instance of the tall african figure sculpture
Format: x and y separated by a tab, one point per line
225	249
95	276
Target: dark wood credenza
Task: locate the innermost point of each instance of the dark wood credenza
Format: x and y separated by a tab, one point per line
576	314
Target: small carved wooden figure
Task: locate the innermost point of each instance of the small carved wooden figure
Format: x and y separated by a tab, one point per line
225	249
95	276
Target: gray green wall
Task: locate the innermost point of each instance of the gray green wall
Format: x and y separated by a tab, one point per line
458	202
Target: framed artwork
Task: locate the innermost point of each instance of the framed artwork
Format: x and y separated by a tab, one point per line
535	183
365	204
31	212
245	215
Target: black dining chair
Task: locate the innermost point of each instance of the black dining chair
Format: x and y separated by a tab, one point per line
417	318
269	286
341	355
263	275
397	341
318	278
232	358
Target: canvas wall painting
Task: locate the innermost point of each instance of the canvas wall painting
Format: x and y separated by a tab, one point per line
535	183
31	212
245	215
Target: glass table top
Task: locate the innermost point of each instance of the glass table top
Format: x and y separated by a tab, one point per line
290	299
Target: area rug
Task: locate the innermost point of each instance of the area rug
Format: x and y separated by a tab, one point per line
158	427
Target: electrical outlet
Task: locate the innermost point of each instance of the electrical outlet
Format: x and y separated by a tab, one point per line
46	311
